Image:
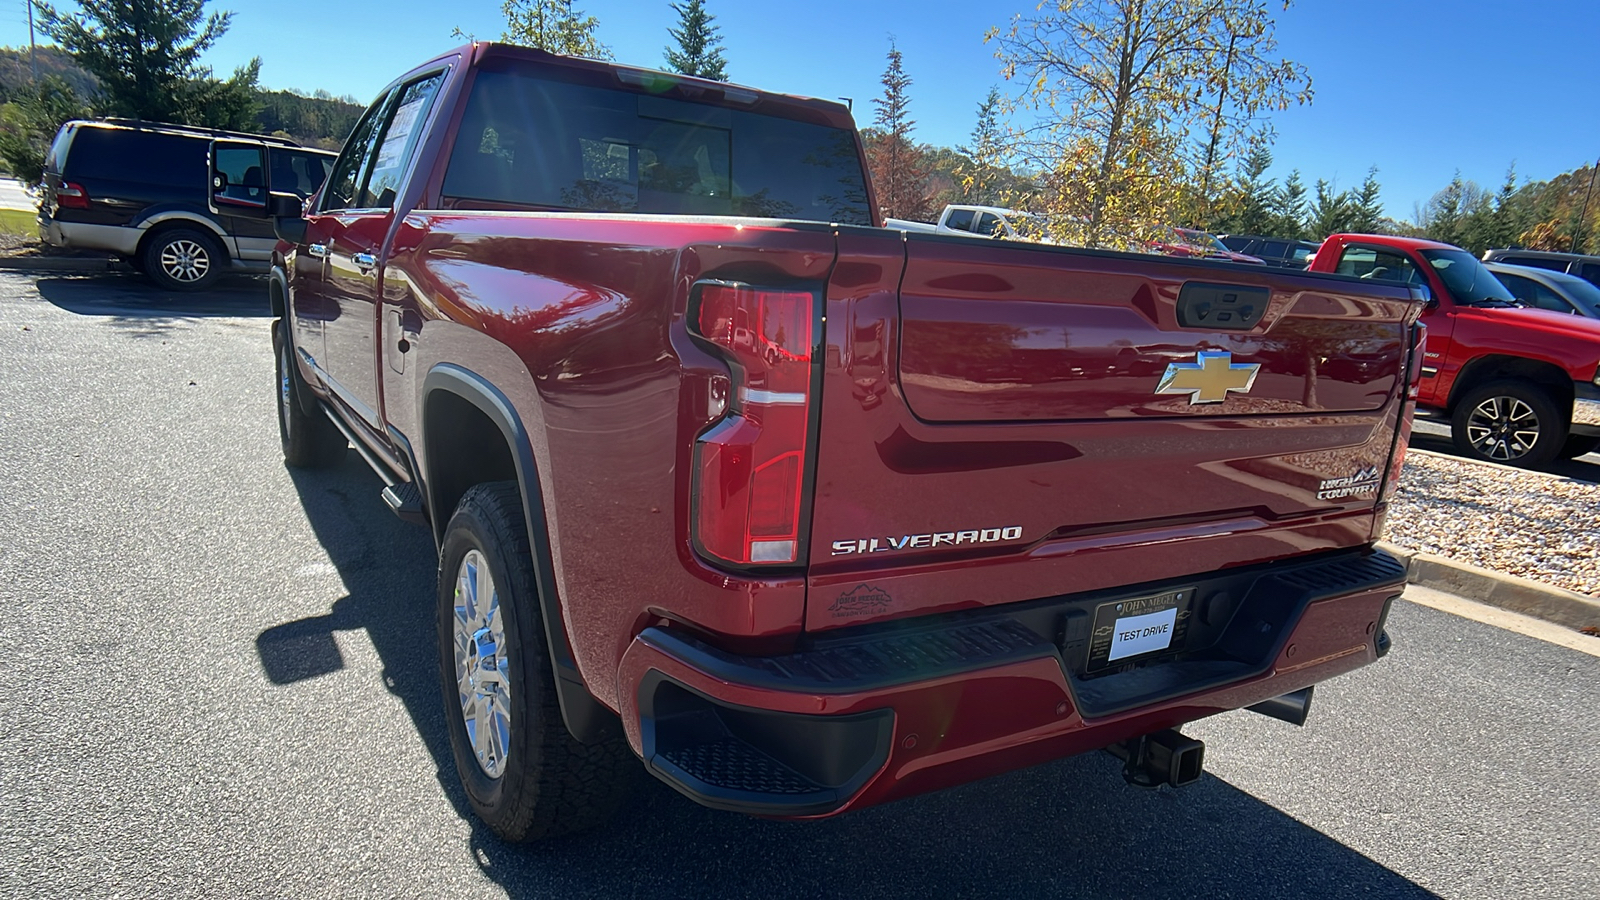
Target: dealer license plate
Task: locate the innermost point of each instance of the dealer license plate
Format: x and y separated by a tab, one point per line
1133	629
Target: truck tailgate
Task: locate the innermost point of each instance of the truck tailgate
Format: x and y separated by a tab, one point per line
1004	422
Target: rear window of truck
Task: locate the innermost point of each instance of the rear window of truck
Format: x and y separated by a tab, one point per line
529	141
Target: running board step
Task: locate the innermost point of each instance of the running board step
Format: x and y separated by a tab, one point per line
405	501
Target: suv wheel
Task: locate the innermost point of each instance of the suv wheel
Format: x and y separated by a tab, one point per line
183	259
1511	422
310	441
525	775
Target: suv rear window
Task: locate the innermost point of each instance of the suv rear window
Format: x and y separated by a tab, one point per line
528	141
146	157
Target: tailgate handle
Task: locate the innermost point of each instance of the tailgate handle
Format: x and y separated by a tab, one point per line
1231	307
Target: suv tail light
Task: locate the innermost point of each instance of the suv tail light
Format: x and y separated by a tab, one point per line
71	195
749	467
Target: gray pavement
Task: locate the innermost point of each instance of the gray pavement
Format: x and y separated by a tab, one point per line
217	679
14	196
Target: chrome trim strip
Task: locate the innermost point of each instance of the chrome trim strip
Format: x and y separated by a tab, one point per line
773	398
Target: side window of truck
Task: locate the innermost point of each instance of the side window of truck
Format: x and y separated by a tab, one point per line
1379	265
349	171
960	219
399	142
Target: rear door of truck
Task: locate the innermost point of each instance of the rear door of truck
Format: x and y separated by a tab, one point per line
1003	422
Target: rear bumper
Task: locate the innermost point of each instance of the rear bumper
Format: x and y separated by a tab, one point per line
1585	408
900	709
122	240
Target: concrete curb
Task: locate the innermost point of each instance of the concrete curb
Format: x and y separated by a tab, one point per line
56	263
1520	595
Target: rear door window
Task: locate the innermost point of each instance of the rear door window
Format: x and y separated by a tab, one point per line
1377	264
132	155
1590	272
241	165
527	141
1274	249
988	225
297	171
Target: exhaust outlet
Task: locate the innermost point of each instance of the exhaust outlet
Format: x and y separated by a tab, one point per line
1165	757
1292	708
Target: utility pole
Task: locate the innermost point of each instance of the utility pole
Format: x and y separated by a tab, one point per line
33	49
1583	215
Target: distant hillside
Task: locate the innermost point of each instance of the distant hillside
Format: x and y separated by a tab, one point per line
319	120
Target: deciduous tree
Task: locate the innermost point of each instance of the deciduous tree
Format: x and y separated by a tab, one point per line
1118	87
699	48
553	25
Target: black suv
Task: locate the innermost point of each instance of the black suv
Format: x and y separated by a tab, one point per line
1585	267
1281	252
140	190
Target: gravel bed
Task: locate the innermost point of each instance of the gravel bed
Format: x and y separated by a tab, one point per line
1528	524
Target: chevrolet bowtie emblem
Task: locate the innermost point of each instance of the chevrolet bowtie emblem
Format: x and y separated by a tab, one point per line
1209	378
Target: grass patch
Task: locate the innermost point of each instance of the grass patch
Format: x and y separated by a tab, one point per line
19	222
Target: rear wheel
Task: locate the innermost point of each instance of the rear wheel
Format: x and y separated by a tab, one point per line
310	440
1511	422
182	259
524	774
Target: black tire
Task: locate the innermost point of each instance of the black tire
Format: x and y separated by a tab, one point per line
310	440
182	259
547	783
1577	445
1509	421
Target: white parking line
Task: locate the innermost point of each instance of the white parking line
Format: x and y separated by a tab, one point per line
1500	618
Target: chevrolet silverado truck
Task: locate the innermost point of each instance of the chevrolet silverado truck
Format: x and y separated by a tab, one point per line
805	513
1517	385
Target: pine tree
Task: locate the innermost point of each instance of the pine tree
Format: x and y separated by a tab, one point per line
1367	217
1289	208
146	56
899	172
1508	216
1331	211
1444	213
1251	205
699	51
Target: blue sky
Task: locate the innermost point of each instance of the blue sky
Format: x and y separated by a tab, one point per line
1419	88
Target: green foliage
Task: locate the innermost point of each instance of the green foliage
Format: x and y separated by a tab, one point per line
18	64
319	120
982	174
699	49
553	25
28	123
146	56
1289	208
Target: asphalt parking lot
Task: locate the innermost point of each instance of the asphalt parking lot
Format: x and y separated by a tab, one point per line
217	678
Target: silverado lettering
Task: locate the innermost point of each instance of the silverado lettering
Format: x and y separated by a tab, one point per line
931	539
604	332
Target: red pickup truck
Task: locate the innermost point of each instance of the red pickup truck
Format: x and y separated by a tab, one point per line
1517	385
805	513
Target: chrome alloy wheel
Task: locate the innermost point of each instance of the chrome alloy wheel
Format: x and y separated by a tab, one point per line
482	670
185	261
1503	428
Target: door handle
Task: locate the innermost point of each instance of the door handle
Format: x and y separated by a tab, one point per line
318	251
364	261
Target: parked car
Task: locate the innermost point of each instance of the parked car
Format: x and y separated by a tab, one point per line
138	190
804	513
1282	252
1192	243
1585	267
1517	385
975	221
1545	289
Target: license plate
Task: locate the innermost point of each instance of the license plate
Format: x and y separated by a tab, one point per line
1133	629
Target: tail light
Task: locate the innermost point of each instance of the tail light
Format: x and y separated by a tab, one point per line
750	466
71	195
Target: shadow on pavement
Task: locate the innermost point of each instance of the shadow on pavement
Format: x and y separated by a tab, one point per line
133	303
1066	829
